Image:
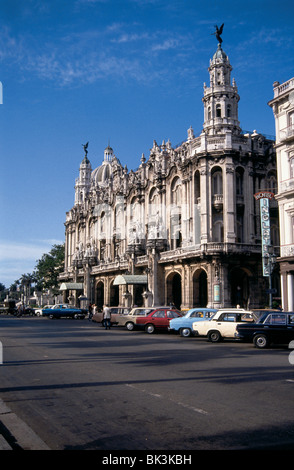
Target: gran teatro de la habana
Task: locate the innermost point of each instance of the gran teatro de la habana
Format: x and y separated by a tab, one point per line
184	228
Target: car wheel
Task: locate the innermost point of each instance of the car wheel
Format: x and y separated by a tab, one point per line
150	328
185	332
130	326
214	336
260	341
51	316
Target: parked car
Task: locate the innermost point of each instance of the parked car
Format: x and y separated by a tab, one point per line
115	312
39	310
158	318
223	324
271	328
64	310
184	324
129	319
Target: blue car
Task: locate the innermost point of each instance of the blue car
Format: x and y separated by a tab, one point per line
64	311
184	324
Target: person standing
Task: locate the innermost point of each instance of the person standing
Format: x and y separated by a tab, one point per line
107	317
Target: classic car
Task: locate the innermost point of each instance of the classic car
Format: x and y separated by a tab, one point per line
158	318
223	324
115	312
271	328
39	310
64	310
184	324
129	319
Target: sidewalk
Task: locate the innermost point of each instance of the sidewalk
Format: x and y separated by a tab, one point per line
15	434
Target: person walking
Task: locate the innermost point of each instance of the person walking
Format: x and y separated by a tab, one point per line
107	317
91	308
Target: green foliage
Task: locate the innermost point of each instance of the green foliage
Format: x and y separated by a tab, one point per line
49	267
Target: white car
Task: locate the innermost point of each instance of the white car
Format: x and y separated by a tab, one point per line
39	311
223	324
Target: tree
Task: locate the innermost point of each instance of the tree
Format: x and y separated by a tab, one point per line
48	269
2	291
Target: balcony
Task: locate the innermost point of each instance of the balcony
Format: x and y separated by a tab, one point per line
283	88
217	201
286	186
286	134
287	251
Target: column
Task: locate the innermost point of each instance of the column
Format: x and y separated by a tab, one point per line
290	291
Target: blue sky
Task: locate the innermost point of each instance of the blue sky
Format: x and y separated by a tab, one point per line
125	72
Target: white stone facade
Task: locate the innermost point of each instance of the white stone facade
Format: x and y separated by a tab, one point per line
185	222
283	109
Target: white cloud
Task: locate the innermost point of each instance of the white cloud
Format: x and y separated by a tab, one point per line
17	258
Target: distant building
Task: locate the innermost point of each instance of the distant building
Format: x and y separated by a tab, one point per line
183	228
283	108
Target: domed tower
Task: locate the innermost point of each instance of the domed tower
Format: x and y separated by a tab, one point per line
83	182
103	172
221	98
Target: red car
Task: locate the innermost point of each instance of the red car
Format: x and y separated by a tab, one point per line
157	319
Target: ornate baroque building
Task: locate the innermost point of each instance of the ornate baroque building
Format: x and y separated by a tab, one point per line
283	109
184	228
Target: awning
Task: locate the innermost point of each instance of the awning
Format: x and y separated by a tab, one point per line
124	279
71	286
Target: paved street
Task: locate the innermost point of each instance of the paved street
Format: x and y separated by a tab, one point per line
78	386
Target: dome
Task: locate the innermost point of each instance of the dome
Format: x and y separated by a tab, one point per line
102	173
220	54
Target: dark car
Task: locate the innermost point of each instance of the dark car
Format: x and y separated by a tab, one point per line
158	318
271	328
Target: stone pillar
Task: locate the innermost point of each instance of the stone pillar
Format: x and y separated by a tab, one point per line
229	205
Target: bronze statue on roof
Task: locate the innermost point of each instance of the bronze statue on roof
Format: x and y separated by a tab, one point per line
218	32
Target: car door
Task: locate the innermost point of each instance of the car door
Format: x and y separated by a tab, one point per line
226	324
159	318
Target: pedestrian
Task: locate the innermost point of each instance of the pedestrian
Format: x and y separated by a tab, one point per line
107	317
90	312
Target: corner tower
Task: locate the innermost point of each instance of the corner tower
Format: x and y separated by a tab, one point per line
83	182
221	97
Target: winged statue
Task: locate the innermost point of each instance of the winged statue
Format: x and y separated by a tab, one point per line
218	32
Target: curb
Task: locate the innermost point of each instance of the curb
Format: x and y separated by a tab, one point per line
15	434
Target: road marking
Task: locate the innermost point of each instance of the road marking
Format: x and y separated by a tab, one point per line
184	405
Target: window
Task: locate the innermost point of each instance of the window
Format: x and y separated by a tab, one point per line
239	184
159	314
279	319
291	167
217	182
176	191
171	314
218	111
229	110
228	317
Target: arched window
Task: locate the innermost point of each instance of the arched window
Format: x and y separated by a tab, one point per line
176	192
239	183
218	231
217	182
153	202
292	167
